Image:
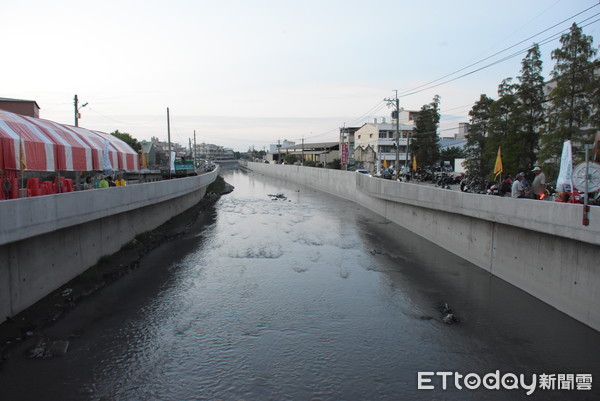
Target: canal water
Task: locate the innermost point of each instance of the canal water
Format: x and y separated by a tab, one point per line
307	297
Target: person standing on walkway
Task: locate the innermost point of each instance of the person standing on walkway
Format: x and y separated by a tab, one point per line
120	182
103	183
506	185
88	183
539	183
517	187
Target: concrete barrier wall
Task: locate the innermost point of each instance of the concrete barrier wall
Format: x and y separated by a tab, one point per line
47	241
540	247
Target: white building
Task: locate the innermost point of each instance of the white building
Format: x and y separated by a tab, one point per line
275	154
284	144
380	137
210	151
463	130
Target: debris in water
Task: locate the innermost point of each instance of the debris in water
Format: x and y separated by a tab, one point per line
449	317
277	196
46	348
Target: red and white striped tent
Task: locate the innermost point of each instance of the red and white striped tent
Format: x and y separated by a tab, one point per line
49	146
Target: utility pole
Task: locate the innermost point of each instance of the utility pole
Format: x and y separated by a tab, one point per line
169	139
278	151
77	108
396	103
195	161
303	150
407	146
76	112
343	159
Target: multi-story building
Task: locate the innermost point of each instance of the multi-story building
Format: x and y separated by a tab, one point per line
273	148
347	141
463	130
208	151
377	143
275	153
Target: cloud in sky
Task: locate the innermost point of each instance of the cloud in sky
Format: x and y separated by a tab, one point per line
247	73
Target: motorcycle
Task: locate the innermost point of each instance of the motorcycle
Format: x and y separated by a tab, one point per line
493	190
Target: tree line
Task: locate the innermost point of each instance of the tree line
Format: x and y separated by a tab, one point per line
530	118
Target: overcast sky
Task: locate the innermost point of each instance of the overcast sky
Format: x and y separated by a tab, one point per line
249	73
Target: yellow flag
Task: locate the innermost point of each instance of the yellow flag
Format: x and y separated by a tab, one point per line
415	162
498	167
23	164
143	159
385	163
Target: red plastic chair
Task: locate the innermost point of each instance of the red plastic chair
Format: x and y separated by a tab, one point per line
47	188
33	187
33	183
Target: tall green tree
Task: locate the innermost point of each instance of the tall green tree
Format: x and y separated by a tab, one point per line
128	139
504	127
451	154
595	118
479	122
571	98
290	159
532	113
425	145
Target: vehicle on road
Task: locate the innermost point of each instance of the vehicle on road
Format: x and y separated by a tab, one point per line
385	174
362	171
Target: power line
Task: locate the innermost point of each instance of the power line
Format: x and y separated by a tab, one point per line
123	122
370	112
458	107
491	64
415	90
412	91
528	23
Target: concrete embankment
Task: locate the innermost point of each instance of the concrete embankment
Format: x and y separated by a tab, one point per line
46	241
540	247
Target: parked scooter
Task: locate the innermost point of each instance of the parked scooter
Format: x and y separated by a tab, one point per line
493	190
444	180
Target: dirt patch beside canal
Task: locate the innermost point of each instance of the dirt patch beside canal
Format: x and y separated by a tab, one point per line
31	323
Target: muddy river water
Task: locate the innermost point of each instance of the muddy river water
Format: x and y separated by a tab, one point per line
307	297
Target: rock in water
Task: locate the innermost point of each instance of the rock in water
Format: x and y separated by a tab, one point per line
450	318
46	348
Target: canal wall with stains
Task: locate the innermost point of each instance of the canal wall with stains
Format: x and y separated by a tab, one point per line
540	247
48	240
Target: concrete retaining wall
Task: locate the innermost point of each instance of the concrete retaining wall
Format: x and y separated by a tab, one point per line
540	247
46	241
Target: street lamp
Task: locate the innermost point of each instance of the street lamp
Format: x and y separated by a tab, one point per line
77	108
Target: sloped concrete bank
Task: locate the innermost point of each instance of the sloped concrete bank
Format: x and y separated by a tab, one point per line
47	241
540	247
